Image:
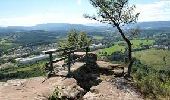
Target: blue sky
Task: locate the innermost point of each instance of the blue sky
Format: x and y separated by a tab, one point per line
31	12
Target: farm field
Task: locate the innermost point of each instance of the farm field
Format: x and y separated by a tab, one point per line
120	46
137	43
98	37
153	57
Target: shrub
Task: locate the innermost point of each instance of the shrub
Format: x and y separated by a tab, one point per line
153	83
23	71
55	95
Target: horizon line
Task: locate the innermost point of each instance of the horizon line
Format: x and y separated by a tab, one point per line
86	24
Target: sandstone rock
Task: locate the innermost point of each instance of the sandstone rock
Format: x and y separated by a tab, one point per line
68	88
109	91
16	82
28	89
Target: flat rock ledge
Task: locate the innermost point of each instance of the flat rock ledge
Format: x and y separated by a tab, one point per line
88	84
38	89
107	91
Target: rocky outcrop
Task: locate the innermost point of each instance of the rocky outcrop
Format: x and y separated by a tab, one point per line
38	89
90	82
28	89
109	91
69	89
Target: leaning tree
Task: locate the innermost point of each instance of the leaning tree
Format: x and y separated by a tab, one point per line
116	13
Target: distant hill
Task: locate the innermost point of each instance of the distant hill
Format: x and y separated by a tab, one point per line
89	28
85	27
154	25
52	32
55	27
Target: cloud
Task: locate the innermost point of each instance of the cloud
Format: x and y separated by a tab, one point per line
156	11
79	2
44	18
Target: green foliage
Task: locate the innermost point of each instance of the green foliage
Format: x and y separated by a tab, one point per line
120	46
75	39
154	57
113	49
23	71
83	40
34	37
55	95
98	37
153	83
72	38
5	45
115	12
152	74
137	43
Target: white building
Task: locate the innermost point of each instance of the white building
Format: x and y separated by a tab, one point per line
96	45
31	59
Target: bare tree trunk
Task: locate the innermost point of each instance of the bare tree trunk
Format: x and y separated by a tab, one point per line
129	50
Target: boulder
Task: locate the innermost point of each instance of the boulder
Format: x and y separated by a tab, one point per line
92	58
68	89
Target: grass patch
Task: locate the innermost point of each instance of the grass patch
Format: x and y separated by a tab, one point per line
112	49
154	57
136	43
121	45
98	37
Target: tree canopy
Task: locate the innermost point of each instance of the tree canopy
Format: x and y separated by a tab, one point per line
76	39
114	12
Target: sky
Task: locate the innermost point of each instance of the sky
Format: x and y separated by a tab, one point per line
32	12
